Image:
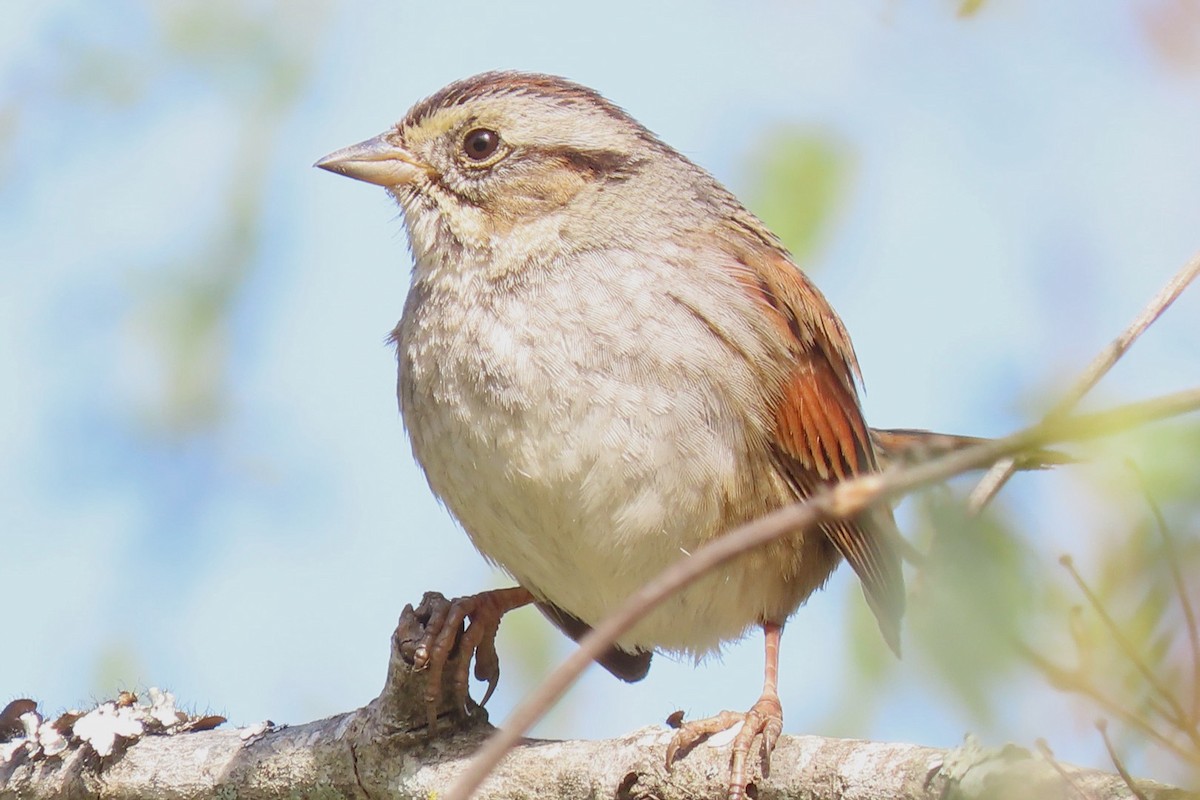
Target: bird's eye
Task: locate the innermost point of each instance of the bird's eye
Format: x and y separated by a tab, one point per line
480	144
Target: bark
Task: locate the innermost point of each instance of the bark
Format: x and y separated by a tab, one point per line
382	751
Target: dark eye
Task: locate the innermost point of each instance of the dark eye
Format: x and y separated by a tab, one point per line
481	143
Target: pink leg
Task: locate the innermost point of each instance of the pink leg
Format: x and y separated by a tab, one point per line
764	717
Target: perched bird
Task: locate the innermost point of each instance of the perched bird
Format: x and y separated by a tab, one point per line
606	361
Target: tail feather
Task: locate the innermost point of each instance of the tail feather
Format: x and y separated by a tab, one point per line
905	445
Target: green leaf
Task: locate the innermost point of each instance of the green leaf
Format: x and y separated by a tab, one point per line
797	180
968	8
970	601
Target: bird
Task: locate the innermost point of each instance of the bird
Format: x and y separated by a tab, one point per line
605	361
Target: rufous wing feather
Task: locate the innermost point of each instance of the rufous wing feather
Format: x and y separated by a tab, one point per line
821	436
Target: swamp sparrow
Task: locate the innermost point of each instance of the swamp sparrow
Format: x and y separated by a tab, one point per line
606	361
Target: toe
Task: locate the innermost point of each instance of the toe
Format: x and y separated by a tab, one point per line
689	734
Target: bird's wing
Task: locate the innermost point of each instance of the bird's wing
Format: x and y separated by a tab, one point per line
629	667
820	434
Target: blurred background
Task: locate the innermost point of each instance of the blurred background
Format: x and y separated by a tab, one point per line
204	482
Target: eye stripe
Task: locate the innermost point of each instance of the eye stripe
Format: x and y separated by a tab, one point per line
609	164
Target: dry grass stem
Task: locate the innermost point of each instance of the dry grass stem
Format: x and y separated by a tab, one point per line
998	475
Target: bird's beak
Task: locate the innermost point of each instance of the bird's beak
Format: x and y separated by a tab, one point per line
375	161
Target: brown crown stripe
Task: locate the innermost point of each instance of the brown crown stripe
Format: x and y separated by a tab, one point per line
551	87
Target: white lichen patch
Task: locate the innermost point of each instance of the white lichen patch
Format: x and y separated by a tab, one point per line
101	726
251	733
51	741
162	708
109	725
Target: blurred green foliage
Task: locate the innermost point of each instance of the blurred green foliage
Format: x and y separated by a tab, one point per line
117	669
257	57
971	598
968	8
797	178
1136	636
253	59
175	322
1116	629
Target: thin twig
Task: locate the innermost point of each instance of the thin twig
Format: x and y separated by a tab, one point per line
1185	603
1157	707
1048	754
842	500
998	475
1102	726
990	485
1068	680
1177	715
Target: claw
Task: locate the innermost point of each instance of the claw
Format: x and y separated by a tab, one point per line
764	718
690	734
468	624
487	664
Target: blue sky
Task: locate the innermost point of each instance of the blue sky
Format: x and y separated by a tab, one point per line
1022	182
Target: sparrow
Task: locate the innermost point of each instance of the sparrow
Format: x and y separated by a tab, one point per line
606	361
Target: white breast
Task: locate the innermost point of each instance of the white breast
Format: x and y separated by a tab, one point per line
573	421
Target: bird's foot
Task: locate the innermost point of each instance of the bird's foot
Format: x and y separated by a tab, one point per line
444	637
765	717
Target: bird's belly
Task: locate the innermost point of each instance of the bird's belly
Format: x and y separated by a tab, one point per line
583	520
584	456
584	496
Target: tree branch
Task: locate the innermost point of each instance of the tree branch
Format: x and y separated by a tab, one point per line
382	752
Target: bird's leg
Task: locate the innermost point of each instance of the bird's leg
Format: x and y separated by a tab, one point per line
444	631
764	717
